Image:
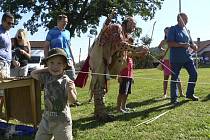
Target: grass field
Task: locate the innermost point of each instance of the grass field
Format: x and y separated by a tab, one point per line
189	121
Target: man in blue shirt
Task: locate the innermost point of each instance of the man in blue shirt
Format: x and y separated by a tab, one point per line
59	37
179	42
7	22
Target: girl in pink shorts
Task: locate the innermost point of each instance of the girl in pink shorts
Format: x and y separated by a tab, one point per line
166	65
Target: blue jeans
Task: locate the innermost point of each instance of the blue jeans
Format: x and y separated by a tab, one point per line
176	67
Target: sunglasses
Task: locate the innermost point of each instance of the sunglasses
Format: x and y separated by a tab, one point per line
10	23
19	37
64	21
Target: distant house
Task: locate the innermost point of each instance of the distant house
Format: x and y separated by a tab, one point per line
203	49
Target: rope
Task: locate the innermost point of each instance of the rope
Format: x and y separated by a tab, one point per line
161	63
153	119
136	77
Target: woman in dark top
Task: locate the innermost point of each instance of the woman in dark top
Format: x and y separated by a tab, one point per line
21	53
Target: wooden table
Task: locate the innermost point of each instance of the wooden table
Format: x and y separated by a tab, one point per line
22	100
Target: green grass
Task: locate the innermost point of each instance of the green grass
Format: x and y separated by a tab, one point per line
190	120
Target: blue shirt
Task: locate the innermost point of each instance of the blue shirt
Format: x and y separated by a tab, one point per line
60	39
5	45
179	35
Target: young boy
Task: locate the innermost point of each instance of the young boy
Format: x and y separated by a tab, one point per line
126	79
125	82
58	91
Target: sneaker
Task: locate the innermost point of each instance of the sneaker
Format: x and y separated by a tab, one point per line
193	97
122	111
90	101
175	103
164	96
72	105
129	109
77	103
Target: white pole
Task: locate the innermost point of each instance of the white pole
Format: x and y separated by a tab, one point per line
80	50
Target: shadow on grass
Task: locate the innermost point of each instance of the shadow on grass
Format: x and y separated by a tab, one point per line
85	123
90	123
137	104
145	113
207	98
82	123
145	102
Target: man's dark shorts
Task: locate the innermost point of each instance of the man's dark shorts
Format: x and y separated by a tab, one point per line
125	86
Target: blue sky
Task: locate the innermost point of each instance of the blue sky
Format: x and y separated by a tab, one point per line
198	24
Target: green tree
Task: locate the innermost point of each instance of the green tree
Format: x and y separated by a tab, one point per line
82	14
146	40
137	34
93	32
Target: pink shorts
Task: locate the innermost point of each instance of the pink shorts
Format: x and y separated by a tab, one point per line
166	67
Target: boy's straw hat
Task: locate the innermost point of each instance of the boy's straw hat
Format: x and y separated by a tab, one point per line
56	52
